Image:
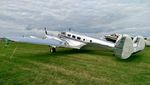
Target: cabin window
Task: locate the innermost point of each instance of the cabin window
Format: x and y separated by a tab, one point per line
90	41
78	38
68	35
73	36
83	39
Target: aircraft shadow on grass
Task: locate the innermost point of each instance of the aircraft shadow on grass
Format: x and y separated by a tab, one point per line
69	52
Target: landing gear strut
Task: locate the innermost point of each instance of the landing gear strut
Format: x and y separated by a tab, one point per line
53	50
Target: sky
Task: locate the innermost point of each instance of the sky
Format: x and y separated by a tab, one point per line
20	17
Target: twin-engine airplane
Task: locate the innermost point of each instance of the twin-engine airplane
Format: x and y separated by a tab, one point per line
124	46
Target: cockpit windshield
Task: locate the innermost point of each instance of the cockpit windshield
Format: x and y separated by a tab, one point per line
63	33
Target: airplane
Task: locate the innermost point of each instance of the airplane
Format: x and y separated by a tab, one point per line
123	47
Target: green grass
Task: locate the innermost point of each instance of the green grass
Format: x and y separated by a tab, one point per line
27	64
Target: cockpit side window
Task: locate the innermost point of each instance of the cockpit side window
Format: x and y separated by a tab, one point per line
69	35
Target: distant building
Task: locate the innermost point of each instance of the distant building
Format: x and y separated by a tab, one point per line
1	39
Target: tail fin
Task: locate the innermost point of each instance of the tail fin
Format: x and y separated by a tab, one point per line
138	43
124	47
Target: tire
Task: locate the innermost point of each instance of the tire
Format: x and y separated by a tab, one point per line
53	50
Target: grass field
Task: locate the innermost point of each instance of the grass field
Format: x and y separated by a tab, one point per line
27	64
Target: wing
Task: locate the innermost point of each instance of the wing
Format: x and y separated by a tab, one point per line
45	41
99	44
74	44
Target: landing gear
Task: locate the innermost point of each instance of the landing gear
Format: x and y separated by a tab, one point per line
53	50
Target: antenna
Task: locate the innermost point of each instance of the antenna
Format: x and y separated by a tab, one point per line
23	36
45	31
69	29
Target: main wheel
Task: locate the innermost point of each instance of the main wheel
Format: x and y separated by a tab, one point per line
53	50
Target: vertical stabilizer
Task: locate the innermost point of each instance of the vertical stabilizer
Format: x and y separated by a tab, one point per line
124	47
138	43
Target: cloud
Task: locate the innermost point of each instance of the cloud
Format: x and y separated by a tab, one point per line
89	16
